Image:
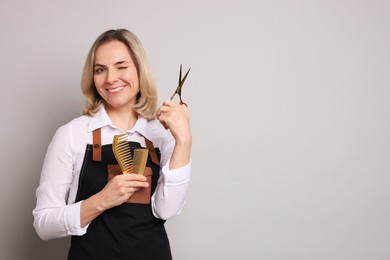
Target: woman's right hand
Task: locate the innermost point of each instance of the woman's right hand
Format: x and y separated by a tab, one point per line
119	189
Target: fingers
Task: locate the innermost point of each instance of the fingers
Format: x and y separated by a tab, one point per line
131	181
170	106
171	114
120	188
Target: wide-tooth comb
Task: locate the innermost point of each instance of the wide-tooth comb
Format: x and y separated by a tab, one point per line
123	153
129	163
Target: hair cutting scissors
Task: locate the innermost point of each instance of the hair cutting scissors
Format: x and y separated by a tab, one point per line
179	86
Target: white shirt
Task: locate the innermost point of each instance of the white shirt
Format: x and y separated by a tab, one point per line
57	215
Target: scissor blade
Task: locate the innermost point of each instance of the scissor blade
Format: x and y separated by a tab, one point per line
184	79
179	76
181	82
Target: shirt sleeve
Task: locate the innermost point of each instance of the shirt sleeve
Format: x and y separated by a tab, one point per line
172	188
53	217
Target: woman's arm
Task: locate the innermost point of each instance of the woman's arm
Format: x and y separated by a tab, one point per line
176	118
171	192
117	191
53	218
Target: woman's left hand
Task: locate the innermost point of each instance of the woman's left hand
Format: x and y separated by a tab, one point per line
176	118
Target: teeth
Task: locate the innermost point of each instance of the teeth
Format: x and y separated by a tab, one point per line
115	90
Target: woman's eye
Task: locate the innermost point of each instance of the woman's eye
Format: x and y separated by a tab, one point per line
98	70
122	68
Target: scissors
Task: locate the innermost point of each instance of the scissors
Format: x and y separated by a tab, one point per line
179	86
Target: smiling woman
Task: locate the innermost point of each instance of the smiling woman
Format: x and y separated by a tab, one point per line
116	80
83	194
130	51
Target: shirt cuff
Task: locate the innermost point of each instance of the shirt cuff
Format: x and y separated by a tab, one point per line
72	220
176	176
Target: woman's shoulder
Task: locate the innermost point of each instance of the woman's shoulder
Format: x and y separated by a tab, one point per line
78	122
156	133
75	126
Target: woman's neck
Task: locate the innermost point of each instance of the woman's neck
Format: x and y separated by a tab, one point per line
124	118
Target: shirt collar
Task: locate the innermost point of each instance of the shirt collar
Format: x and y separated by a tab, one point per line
100	119
142	126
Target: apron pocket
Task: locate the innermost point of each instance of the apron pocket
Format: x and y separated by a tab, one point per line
141	196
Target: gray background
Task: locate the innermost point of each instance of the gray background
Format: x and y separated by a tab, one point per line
290	115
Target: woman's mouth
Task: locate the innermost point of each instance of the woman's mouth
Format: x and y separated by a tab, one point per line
115	89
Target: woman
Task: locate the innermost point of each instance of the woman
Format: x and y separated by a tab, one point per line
82	192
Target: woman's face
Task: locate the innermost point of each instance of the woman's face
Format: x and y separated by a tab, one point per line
115	75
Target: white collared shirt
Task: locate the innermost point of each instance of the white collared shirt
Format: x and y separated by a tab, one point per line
57	215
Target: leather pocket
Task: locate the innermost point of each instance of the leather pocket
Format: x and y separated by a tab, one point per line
141	196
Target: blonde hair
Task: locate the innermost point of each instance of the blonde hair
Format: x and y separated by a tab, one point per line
146	104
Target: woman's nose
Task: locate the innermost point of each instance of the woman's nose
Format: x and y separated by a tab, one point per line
112	76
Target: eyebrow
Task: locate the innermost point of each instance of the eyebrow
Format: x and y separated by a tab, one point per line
116	63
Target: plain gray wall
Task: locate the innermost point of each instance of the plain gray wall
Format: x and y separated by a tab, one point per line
290	106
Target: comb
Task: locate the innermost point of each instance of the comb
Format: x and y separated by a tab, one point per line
128	162
122	153
139	160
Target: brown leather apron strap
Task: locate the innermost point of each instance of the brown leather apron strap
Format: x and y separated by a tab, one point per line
97	145
152	151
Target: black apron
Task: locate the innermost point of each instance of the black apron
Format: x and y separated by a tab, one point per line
129	231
